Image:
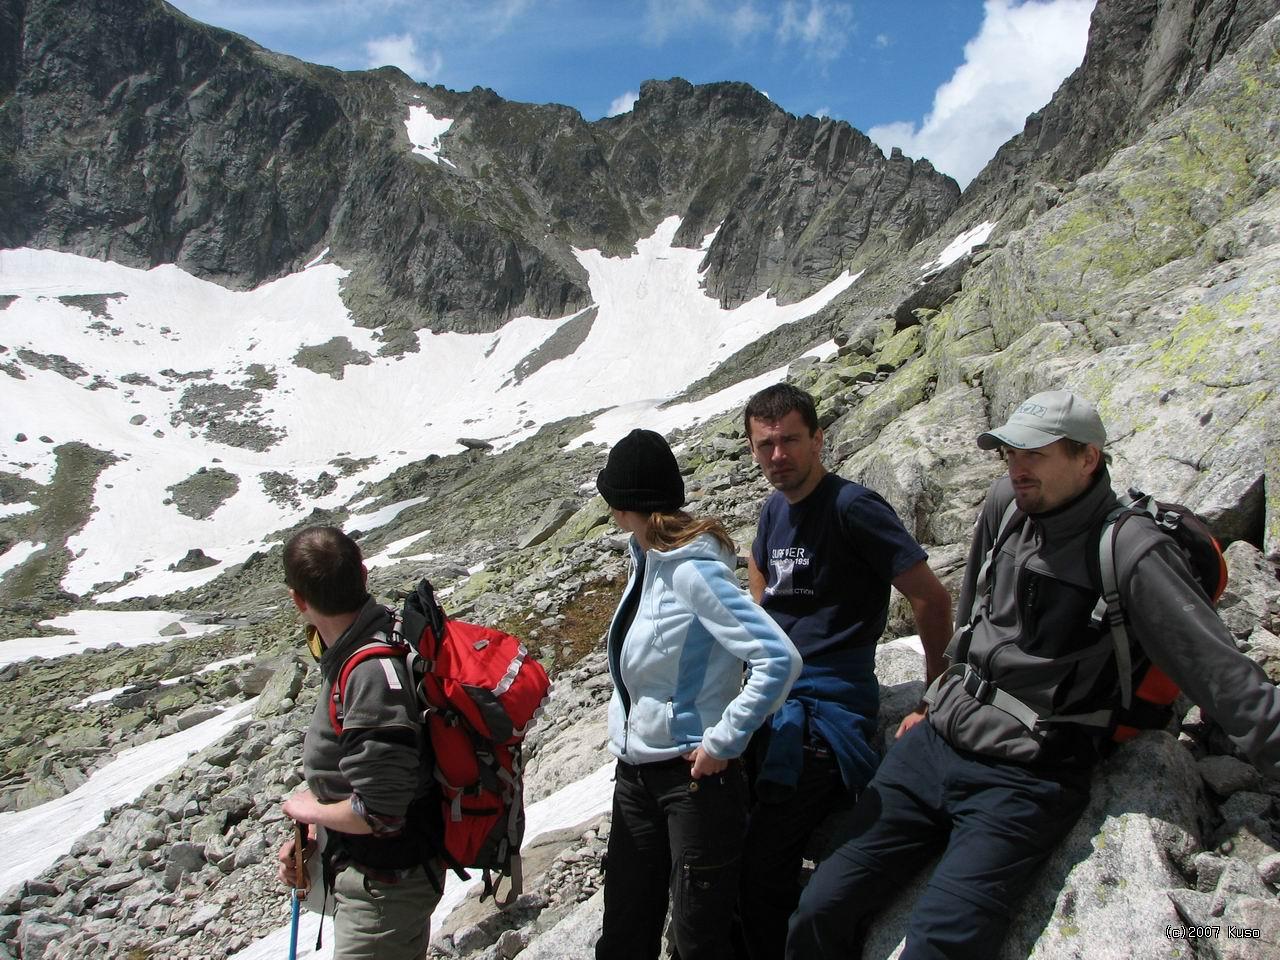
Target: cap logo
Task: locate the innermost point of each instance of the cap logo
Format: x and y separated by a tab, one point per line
1034	409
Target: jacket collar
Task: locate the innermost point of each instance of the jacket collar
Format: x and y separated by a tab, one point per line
372	617
1083	514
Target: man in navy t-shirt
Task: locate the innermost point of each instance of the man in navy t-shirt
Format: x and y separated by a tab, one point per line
826	552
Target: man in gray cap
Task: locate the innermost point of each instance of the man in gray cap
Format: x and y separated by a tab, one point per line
1000	772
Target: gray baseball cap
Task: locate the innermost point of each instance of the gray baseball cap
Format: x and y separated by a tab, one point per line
1047	417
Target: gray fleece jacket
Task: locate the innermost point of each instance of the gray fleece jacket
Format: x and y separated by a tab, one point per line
1037	625
379	754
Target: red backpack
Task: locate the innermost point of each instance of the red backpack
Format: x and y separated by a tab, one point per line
480	691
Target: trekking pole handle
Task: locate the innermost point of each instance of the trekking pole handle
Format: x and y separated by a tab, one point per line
300	876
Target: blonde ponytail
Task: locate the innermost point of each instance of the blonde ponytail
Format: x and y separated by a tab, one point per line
666	531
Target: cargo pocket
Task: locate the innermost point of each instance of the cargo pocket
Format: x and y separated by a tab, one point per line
705	881
702	908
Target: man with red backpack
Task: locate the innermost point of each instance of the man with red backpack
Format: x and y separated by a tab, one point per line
1042	678
370	785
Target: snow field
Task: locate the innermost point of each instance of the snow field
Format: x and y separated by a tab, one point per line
656	331
95	629
425	132
960	246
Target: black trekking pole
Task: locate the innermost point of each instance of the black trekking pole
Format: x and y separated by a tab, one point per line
299	891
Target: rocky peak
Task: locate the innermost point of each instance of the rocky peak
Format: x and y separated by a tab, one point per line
194	146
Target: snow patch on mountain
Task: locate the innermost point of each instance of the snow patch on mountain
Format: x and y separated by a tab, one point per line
33	839
425	131
170	374
960	246
17	555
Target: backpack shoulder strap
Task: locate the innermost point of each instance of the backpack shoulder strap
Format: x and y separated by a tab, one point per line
1109	610
379	645
958	651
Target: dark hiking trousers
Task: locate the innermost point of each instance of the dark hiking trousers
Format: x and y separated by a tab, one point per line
671	833
994	824
777	834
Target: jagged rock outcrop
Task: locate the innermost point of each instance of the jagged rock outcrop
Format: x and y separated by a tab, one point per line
1144	57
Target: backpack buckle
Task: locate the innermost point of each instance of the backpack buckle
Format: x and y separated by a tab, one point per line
977	687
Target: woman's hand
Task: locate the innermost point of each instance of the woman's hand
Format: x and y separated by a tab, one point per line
704	764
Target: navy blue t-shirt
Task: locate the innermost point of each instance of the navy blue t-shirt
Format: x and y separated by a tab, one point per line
828	562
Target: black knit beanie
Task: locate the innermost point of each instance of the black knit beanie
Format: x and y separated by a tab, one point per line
641	475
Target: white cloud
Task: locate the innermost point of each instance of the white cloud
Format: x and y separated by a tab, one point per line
622	104
665	20
822	112
402	51
822	27
883	40
1021	54
740	20
506	12
745	21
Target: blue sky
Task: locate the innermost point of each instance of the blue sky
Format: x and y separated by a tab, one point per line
947	79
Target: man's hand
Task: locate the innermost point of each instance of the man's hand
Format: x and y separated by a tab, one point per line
909	721
286	870
303	807
704	764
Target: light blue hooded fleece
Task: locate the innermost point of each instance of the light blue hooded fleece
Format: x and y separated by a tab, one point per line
677	671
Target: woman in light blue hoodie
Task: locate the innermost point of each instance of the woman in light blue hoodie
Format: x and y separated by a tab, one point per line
681	714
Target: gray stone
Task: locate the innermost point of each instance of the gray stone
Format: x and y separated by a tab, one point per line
1269	869
198	919
190	856
115	882
573	937
284	685
196	715
252	850
1208	869
194	559
555	516
1238	879
1227	775
34	938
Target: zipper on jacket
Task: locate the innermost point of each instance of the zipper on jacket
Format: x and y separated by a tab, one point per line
1027	619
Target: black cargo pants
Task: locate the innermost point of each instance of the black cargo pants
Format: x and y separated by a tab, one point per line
672	836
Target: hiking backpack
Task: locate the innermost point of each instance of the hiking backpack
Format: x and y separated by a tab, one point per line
1146	693
480	691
